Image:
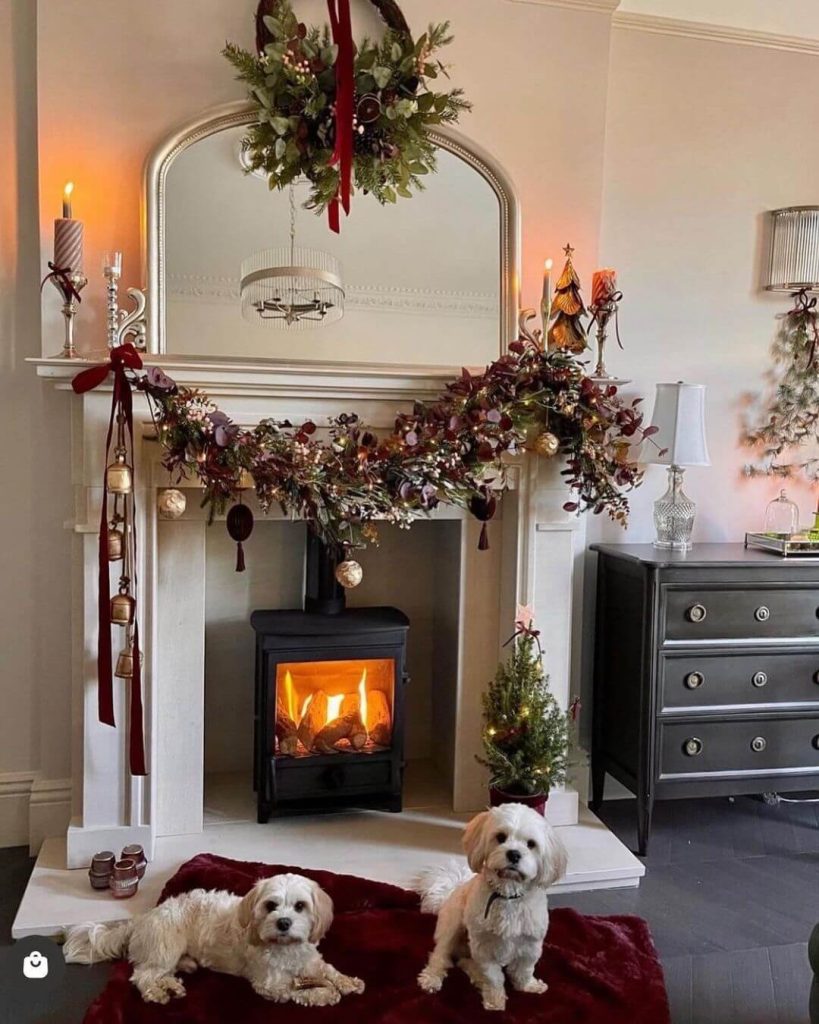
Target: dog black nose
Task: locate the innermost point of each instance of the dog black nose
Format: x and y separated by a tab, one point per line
513	856
283	924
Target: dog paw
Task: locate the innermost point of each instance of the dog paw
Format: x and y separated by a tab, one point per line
163	990
494	999
187	965
349	986
535	986
429	981
324	996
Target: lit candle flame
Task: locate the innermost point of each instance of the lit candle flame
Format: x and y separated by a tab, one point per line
67	190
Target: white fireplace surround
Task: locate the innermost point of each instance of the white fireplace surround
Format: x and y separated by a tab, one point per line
535	545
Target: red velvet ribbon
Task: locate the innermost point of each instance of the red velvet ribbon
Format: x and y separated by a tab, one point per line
124	357
341	23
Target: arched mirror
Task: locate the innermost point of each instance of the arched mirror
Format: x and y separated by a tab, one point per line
430	281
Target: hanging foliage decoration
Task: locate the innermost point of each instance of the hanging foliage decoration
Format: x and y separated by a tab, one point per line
454	450
340	115
783	429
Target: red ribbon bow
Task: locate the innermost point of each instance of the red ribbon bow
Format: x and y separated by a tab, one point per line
124	357
341	24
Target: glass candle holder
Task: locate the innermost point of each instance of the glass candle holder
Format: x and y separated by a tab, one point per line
782	517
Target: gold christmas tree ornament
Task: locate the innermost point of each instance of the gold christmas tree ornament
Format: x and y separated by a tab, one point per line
349	573
120	475
567	332
171	503
547	444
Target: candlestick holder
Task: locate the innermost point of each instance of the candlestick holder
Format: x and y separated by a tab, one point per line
123	325
537	335
69	283
602	313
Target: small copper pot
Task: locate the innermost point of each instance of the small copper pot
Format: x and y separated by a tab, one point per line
102	864
135	853
124	879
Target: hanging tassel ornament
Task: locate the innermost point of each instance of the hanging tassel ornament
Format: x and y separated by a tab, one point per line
483	507
240	527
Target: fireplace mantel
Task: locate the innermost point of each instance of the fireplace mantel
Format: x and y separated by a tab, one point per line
534	559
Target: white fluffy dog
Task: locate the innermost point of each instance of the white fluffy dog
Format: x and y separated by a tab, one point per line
498	917
269	937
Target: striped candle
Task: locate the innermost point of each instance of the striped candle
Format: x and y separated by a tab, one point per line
68	236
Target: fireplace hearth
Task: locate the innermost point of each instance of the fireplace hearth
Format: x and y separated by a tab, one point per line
329	707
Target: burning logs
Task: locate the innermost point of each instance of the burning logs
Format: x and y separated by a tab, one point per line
313	719
379	719
328	725
287	732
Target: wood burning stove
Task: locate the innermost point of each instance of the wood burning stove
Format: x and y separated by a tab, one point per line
329	712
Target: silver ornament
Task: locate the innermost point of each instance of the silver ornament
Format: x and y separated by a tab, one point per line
171	503
349	574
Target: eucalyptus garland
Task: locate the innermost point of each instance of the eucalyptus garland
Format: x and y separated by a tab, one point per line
784	428
454	450
293	83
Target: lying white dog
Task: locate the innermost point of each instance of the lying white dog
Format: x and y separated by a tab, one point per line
269	937
497	918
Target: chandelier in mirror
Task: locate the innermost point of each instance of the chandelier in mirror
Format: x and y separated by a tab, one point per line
292	287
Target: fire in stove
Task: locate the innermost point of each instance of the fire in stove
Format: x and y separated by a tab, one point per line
330	707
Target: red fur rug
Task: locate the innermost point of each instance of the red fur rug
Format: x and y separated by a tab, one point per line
600	970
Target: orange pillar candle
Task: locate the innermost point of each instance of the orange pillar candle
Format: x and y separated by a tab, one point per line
68	236
604	285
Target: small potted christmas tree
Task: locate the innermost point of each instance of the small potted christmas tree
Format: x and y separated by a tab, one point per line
525	736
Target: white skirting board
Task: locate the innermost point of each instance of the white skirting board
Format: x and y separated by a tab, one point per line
32	808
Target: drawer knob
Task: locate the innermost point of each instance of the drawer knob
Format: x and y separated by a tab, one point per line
696	613
759	678
758	744
815	742
693	746
816	678
694	680
762	614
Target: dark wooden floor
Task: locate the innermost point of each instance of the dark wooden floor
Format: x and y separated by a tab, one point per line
731	893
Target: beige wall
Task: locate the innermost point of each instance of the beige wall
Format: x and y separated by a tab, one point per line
702	139
35	607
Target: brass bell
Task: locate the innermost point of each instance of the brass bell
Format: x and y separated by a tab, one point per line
125	663
116	544
119	476
123	607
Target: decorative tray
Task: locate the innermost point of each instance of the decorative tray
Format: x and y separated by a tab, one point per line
787	545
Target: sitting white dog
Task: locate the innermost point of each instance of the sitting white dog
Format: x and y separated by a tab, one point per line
269	937
497	918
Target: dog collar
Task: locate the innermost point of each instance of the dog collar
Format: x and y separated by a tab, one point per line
497	896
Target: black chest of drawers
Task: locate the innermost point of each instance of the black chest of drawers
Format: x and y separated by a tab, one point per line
706	673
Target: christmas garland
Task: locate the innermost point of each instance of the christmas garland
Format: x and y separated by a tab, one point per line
789	418
453	450
339	115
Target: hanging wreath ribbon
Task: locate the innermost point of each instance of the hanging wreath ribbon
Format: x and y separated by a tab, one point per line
804	310
123	358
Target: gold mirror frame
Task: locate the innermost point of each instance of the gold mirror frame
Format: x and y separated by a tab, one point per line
240	113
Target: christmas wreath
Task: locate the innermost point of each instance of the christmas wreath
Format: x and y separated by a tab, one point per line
342	115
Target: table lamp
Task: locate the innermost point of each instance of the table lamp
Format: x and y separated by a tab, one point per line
679	415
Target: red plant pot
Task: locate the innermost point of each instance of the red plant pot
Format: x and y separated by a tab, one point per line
537	801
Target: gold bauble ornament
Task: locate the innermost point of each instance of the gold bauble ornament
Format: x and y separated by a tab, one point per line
349	573
547	444
171	503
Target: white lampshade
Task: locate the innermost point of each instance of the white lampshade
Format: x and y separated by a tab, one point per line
679	415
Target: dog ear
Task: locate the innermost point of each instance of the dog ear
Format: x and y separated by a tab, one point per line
247	906
475	841
553	858
322	914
